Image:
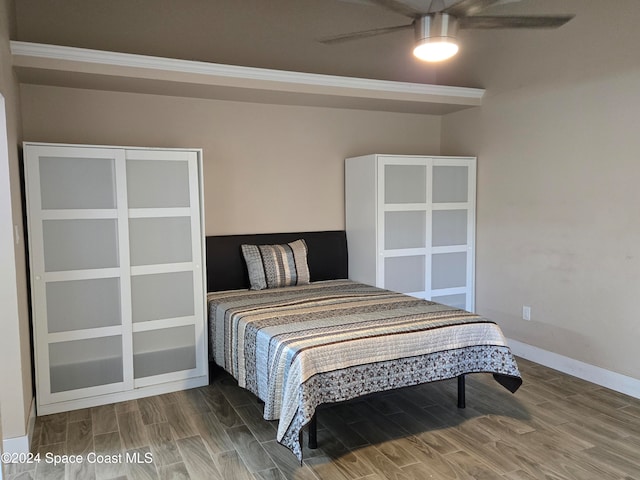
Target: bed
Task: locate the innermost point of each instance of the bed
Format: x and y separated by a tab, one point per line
326	339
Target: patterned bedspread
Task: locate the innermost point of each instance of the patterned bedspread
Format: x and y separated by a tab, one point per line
299	347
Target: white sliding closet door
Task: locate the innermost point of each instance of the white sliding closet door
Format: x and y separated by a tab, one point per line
166	276
402	216
453	232
79	262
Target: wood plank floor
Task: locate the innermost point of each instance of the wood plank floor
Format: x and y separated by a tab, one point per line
555	427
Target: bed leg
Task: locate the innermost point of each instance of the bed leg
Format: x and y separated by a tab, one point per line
461	392
313	432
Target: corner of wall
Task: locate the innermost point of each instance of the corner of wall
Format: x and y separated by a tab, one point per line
460	133
17	392
22	443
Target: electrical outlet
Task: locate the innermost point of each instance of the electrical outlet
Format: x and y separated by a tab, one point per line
526	312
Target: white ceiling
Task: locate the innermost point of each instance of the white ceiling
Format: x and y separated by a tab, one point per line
282	34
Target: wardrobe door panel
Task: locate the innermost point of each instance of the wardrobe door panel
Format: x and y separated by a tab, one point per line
450	183
77	182
85	363
167	288
457	300
405	274
157	352
405	184
80	244
449	227
83	304
405	229
157	184
162	295
448	270
159	240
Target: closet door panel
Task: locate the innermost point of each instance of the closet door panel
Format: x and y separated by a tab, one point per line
405	183
157	352
450	183
75	252
83	304
405	229
167	289
448	270
77	182
453	232
85	363
161	296
80	244
405	274
160	240
449	227
457	300
157	183
402	223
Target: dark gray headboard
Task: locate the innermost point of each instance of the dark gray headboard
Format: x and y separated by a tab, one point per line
226	270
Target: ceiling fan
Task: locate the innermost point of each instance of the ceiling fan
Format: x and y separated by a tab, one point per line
437	24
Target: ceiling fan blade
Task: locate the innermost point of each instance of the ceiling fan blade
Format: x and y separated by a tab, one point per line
399	7
346	37
514	22
464	8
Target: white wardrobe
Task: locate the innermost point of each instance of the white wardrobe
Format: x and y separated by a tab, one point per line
410	224
117	279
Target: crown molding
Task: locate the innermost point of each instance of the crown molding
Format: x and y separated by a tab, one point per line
35	57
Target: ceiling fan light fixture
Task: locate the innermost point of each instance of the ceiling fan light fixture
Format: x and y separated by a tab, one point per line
435	37
436	49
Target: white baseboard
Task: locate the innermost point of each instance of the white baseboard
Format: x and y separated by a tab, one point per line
591	373
22	444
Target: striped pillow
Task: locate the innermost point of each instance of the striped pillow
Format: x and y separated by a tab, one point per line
275	266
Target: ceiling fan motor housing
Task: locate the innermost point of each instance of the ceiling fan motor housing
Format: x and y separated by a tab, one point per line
435	37
435	27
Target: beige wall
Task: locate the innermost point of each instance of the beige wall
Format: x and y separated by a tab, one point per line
15	360
267	168
558	207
